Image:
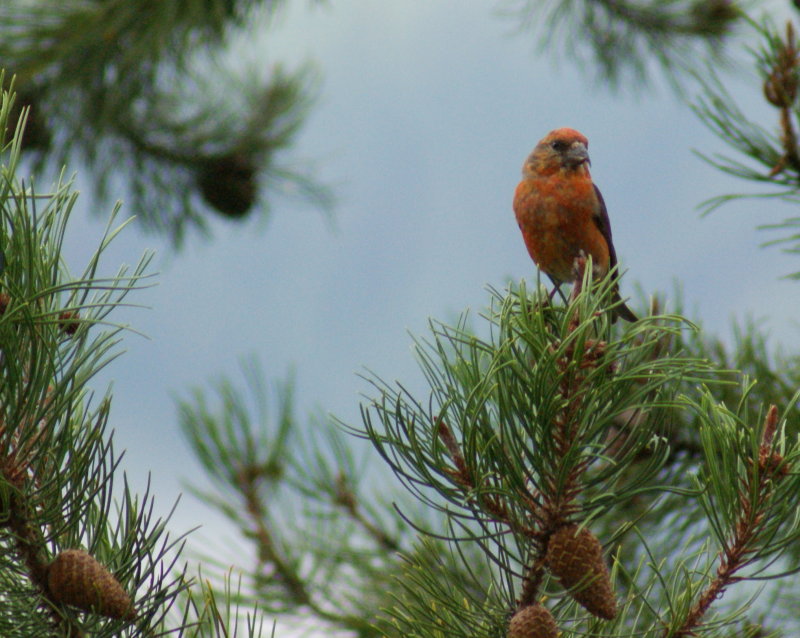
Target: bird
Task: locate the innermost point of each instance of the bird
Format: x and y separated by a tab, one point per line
562	214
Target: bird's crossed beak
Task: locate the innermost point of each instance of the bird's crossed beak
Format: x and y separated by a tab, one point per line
578	154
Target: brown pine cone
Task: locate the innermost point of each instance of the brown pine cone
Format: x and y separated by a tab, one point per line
228	184
76	578
576	559
533	621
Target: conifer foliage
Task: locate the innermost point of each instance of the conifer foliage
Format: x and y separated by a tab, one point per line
571	476
80	553
554	447
139	93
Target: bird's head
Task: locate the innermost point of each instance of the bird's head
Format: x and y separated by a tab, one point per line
564	149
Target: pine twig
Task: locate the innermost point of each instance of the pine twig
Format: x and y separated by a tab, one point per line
559	501
294	584
535	572
346	499
463	476
267	551
17	472
737	554
531	582
780	90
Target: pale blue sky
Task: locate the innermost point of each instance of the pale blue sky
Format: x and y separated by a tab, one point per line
426	111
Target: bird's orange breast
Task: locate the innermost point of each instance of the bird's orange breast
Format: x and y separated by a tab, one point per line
557	217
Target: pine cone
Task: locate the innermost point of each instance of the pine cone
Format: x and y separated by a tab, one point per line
533	621
576	559
76	578
228	184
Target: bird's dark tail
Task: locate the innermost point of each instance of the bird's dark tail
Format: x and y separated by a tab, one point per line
621	309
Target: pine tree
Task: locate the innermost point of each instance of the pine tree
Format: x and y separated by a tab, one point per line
560	475
82	555
597	481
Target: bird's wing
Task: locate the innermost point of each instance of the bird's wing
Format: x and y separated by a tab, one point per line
604	226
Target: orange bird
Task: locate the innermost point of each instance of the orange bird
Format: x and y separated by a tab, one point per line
561	213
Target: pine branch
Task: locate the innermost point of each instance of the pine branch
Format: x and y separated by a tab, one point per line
347	499
552	425
260	470
750	514
102	85
69	566
772	158
269	557
516	441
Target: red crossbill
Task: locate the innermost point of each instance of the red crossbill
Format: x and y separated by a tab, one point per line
561	213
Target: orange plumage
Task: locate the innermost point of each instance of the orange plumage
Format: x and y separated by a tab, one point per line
561	213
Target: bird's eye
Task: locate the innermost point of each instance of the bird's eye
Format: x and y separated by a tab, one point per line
558	145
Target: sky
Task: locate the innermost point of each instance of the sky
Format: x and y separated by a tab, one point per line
424	115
